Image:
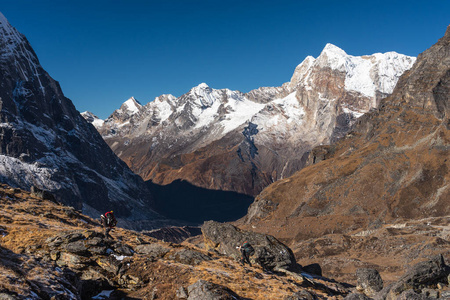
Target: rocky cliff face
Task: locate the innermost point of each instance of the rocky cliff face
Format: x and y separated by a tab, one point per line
392	168
227	140
44	141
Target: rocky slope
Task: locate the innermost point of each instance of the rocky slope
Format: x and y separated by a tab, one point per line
46	143
227	140
388	176
51	251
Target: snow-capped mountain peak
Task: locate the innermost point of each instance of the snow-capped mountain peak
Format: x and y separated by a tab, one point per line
131	106
333	57
165	97
10	36
93	119
366	74
333	50
203	95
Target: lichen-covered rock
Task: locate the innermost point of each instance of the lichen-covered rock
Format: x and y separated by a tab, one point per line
71	260
369	281
109	264
269	252
421	276
98	250
189	257
6	296
153	250
204	290
123	249
78	247
95	241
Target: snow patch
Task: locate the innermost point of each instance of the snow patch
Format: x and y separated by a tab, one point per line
366	74
132	105
105	294
119	257
356	114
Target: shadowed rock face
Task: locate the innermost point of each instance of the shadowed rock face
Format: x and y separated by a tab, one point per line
46	143
391	168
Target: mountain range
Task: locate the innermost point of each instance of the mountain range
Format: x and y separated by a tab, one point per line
349	162
242	142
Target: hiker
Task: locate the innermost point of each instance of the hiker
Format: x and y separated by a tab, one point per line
108	222
246	251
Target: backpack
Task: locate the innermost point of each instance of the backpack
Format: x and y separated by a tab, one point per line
109	219
248	248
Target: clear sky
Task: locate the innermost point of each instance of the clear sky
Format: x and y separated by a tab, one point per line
104	51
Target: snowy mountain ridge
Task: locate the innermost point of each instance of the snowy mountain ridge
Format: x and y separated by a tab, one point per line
365	75
265	132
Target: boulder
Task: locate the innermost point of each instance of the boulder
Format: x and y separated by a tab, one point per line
369	281
5	296
130	281
269	252
71	260
78	247
421	276
64	238
153	250
109	264
123	249
204	290
95	241
189	257
101	250
54	255
53	242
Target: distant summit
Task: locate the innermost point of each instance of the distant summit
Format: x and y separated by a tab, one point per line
228	140
93	119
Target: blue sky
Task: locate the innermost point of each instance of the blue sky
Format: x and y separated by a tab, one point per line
104	51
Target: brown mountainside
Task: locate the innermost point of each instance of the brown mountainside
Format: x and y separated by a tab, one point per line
52	251
391	171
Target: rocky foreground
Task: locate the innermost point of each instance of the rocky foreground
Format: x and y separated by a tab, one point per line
51	251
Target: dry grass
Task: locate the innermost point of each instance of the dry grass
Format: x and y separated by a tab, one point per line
25	268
